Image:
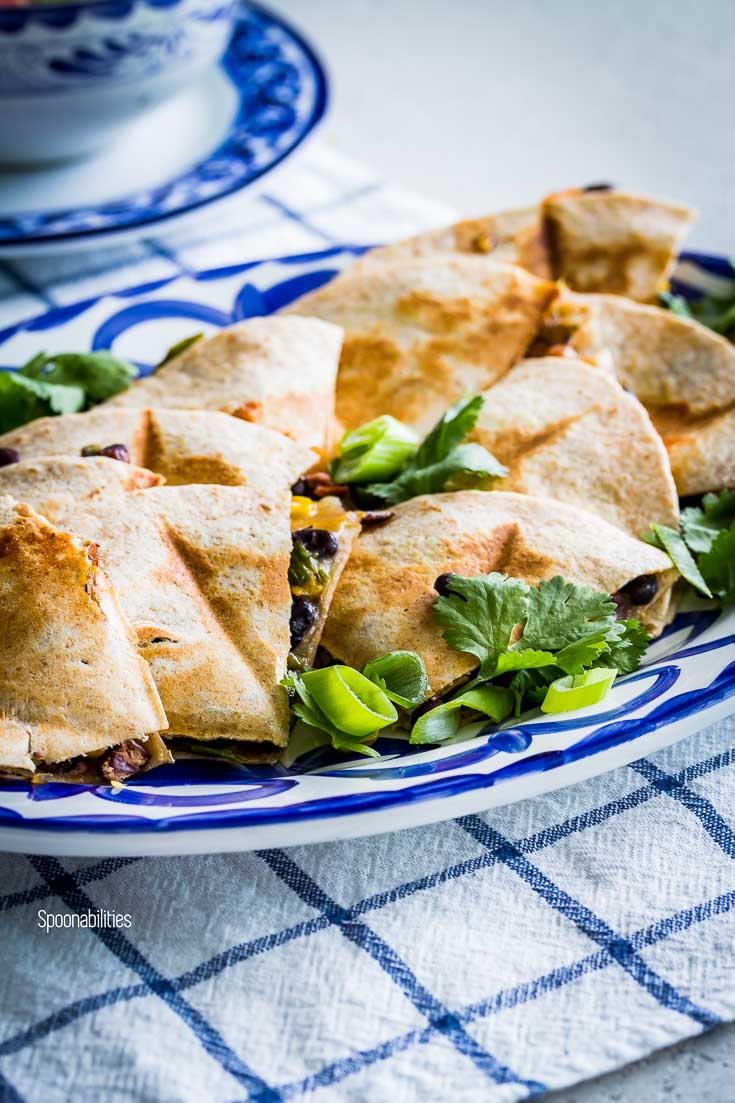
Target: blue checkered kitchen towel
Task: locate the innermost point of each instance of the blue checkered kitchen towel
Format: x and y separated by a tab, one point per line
494	957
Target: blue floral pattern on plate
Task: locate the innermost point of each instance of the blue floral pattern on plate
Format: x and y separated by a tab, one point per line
281	96
202	804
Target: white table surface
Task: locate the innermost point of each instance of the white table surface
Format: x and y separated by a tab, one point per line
486	105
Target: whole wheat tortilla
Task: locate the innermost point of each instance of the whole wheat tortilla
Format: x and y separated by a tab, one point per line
385	596
277	372
71	678
568	431
421	331
201	573
183	446
703	456
611	241
681	371
509	237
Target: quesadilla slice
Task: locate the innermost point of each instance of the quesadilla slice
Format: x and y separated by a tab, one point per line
183	446
420	332
386	594
682	372
509	237
202	575
76	698
568	431
276	372
323	534
702	454
603	240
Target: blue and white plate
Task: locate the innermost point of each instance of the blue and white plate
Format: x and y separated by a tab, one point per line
224	134
201	805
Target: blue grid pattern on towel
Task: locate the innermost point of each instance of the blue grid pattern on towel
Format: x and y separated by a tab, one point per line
207	1008
493	957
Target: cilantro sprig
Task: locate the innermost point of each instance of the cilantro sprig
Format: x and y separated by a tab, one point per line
717	312
64	383
704	551
441	462
538	634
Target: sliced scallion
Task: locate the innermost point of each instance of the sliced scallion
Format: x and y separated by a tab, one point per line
376	451
577	691
348	699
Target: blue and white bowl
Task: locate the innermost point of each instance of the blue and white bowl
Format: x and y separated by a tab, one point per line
73	74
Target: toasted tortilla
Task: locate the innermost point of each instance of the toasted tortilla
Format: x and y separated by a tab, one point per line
385	596
201	573
72	681
183	446
276	372
614	242
568	431
509	237
419	332
681	371
703	456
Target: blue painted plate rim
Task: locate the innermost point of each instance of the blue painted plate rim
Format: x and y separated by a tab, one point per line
321	102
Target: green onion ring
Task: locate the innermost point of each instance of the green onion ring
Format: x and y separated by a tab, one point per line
351	701
577	691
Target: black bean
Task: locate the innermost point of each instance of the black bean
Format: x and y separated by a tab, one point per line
320	542
8	456
304	615
375	517
441	585
111	451
116	452
641	590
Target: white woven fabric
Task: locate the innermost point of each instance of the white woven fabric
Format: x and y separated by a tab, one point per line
492	958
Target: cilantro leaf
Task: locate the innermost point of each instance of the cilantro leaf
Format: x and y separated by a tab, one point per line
670	541
180	346
61	384
701	524
449	431
467	466
522	660
561	613
479	615
23	398
717	312
626	648
577	656
718	566
100	374
529	687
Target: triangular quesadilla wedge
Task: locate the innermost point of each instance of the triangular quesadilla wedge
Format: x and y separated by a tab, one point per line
420	332
72	682
703	456
276	372
385	596
202	575
603	240
509	237
184	446
682	372
567	430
